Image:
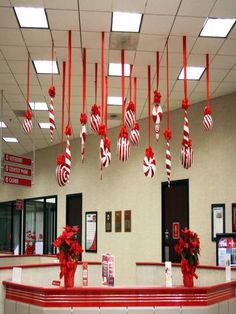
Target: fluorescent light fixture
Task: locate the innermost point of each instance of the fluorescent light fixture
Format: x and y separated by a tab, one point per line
45	67
44	125
10	139
193	73
2	125
38	106
114	100
215	27
31	17
126	22
115	69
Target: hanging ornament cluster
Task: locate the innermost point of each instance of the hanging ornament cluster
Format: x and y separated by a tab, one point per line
105	143
167	131
134	133
123	146
149	162
157	110
52	94
95	115
186	151
64	160
207	119
83	116
27	124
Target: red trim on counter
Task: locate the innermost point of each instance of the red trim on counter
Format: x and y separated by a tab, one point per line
56	263
178	265
119	296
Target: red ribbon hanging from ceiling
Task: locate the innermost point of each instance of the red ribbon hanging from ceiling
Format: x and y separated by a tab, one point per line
123	84
130	82
68	127
149	105
63	104
207	80
135	95
103	76
27	124
185	102
96	82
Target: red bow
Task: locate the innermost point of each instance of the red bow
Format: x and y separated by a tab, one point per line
185	104
52	91
149	152
107	143
136	126
167	134
28	114
95	110
157	97
60	159
83	118
123	132
130	106
68	130
102	130
207	110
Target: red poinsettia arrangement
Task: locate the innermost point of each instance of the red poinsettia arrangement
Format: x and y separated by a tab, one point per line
189	249
30	242
69	249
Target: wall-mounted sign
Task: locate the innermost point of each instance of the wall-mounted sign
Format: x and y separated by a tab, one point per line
175	230
18	160
17	170
17	181
19	204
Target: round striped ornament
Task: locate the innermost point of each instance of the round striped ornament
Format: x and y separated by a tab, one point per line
149	166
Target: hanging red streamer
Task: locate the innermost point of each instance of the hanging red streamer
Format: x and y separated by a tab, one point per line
96	82
135	95
63	104
69	76
207	80
157	69
103	75
149	105
106	99
130	82
123	84
84	79
167	87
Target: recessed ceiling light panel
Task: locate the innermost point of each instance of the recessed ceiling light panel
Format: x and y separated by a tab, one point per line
115	69
2	125
38	106
126	22
45	67
31	17
114	100
215	27
193	73
10	139
44	125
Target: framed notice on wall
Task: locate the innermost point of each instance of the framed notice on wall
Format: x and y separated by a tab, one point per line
91	232
234	217
118	221
217	219
127	217
108	221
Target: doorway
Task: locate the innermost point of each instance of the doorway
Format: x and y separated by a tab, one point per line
175	216
74	212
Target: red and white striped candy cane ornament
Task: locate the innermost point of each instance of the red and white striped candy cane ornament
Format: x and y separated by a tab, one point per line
207	119
149	163
27	124
95	118
186	151
135	135
123	146
83	134
130	115
167	135
68	149
52	93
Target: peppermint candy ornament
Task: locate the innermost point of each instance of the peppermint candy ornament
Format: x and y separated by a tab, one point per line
123	146
130	115
105	153
27	124
149	163
95	118
61	171
157	114
135	135
207	119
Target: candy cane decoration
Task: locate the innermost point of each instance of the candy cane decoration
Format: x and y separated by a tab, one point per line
52	93
149	163
27	124
207	119
186	150
68	155
83	116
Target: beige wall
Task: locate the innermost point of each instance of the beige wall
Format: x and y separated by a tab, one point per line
124	186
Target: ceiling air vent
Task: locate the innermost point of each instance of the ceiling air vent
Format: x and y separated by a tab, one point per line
127	41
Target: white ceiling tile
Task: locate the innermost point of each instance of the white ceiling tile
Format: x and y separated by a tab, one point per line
25	3
179	86
4	67
115	56
224	8
145	58
198	59
232	34
201	87
228	48
195	8
216	75
175	60
16	53
94	40
7	78
223	62
159	25
168	7
137	6
37	37
151	42
94	56
207	45
63	20
19	66
11	37
8	18
95	21
175	43
94	5
5	3
61	38
188	26
226	87
61	4
231	76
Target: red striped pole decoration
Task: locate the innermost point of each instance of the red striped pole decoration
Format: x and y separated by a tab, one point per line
52	93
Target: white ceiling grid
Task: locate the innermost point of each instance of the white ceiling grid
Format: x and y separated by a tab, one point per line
162	19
